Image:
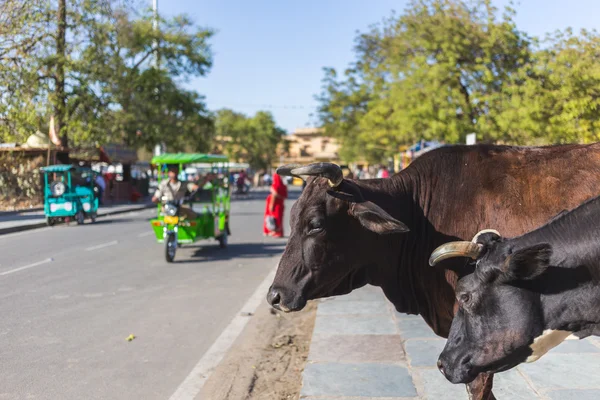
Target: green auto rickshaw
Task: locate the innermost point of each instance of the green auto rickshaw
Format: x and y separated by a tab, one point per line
211	204
69	194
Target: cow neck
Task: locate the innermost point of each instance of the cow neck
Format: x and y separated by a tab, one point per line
404	274
569	290
570	287
433	287
574	310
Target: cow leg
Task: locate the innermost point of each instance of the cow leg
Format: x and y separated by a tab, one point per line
481	388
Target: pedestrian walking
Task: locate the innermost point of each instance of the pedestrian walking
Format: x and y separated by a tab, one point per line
267	179
273	222
383	172
101	185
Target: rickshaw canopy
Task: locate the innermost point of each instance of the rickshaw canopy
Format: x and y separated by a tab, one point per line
188	158
58	168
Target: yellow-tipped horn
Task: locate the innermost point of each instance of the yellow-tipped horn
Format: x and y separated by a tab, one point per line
455	249
332	172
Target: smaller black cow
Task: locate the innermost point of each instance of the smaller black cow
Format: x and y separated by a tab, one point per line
526	296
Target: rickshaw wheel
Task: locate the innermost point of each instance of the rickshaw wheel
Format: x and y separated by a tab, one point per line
50	221
79	217
170	247
93	217
223	240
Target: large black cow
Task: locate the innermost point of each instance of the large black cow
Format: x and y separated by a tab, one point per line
527	294
346	234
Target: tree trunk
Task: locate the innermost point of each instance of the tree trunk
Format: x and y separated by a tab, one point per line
60	99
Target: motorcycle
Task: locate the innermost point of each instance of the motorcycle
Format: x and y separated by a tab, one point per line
171	227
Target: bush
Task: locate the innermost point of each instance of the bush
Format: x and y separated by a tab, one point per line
20	181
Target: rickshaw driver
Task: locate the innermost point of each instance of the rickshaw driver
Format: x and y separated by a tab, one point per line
173	189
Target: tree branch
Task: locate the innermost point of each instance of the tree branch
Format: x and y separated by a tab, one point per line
137	65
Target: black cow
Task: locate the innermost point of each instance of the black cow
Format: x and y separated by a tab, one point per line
346	234
527	294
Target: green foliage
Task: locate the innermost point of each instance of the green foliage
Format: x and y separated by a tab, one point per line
249	139
559	97
447	68
112	88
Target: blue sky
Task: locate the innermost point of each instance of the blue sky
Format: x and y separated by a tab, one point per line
269	54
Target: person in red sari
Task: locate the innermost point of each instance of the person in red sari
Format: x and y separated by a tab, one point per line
275	206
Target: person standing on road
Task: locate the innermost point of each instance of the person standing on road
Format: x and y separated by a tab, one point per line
241	181
101	185
267	179
273	222
386	172
383	172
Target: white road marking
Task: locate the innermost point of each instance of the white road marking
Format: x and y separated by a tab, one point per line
193	383
146	234
46	261
102	245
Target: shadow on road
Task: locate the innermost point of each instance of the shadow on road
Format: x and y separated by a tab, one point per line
236	251
104	221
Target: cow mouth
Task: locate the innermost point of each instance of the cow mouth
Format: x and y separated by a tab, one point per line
286	309
342	286
289	301
493	368
285	300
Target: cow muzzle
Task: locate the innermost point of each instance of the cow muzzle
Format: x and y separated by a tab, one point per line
457	368
282	300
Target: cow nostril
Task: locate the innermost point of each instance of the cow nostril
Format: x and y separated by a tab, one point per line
466	360
274	297
441	367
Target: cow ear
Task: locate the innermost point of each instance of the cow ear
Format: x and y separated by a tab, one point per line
376	219
527	263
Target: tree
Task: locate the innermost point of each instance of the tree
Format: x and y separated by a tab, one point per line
559	95
88	63
148	100
342	106
249	139
435	72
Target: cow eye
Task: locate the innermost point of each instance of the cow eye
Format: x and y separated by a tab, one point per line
465	298
315	227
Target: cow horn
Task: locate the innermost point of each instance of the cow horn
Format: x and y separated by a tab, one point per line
286	170
455	249
327	170
474	240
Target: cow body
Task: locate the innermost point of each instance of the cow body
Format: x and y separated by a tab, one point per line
527	295
346	237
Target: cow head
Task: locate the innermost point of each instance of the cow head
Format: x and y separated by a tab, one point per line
335	238
498	317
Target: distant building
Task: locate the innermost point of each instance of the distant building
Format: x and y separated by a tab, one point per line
307	145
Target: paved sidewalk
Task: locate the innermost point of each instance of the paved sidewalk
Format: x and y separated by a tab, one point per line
362	349
14	222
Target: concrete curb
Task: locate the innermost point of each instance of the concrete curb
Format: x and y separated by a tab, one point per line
28	227
23	211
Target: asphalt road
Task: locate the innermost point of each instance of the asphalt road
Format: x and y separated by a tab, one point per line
70	296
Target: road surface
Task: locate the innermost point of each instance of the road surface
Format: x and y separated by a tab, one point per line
70	296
